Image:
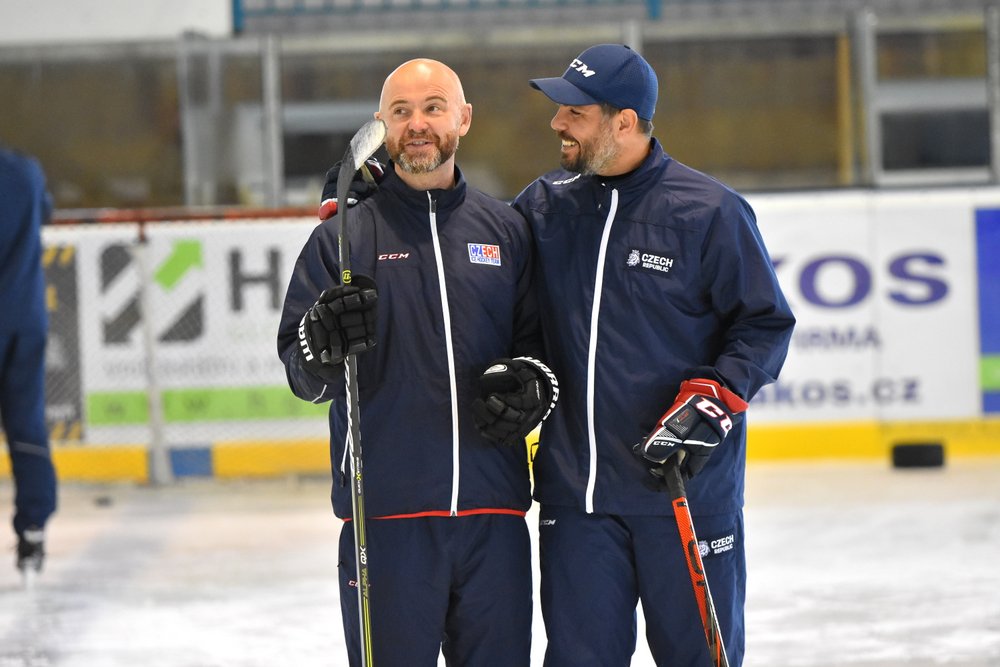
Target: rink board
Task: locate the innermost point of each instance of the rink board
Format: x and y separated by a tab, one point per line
311	457
896	295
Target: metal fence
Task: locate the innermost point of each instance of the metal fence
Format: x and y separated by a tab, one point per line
764	94
258	15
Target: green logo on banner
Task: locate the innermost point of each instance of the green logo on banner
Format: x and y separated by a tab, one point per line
186	255
201	405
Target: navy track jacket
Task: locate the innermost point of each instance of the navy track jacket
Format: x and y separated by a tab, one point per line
453	270
27	206
645	280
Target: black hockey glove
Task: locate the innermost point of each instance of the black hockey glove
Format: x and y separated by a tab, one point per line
341	322
698	422
516	395
361	188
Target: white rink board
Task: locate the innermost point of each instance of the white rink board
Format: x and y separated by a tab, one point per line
213	293
883	285
884	290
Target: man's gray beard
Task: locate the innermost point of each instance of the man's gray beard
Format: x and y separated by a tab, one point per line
426	165
593	161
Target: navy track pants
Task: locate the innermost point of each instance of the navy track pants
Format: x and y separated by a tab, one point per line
457	586
595	569
22	410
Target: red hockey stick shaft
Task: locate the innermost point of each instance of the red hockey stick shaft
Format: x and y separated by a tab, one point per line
696	568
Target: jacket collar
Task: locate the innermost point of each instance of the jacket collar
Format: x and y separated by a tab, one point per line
643	176
445	199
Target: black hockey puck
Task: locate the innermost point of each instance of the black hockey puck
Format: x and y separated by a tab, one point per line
918	455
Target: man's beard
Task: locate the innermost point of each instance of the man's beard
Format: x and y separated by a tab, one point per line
444	149
594	157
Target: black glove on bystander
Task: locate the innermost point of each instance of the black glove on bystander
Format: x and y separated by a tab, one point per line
341	322
516	395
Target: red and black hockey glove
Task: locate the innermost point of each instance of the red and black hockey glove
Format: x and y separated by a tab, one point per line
341	322
516	395
361	187
699	421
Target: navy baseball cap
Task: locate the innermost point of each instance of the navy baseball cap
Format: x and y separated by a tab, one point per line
606	73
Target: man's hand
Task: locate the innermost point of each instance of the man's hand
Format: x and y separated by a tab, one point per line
699	421
361	187
516	395
341	322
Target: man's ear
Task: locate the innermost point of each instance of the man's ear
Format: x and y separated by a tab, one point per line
628	120
466	123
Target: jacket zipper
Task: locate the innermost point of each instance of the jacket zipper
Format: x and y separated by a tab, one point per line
343	460
595	316
446	314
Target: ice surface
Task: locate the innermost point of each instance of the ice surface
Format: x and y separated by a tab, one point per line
851	565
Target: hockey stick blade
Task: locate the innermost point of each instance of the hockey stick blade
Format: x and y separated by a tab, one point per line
366	141
363	145
696	568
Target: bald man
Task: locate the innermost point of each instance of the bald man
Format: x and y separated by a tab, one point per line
425	112
447	329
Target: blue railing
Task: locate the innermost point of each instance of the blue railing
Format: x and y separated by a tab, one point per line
244	10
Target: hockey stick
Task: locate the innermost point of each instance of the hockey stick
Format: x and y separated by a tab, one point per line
703	596
363	145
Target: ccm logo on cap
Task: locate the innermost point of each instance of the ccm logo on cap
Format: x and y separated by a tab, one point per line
581	67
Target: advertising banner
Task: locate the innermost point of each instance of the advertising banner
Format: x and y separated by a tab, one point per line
93	299
896	295
215	297
885	288
177	333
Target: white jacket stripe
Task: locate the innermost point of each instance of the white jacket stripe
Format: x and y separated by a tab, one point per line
595	318
452	382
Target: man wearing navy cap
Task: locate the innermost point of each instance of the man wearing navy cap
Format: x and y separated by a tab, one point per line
656	293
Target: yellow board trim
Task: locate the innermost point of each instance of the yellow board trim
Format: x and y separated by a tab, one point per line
102	464
268	458
812	441
128	463
837	440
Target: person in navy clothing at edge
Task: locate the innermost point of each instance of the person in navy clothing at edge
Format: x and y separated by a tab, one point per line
441	313
656	293
25	205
